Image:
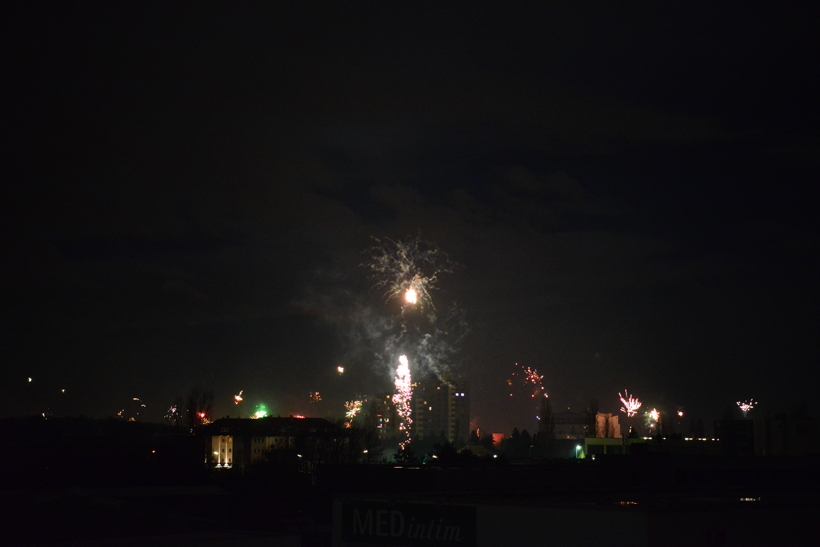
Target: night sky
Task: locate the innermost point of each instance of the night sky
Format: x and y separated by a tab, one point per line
189	191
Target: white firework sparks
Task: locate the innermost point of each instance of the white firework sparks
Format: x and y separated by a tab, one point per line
408	268
352	408
746	406
631	404
402	397
238	397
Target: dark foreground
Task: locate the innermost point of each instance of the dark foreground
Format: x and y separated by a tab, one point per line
633	500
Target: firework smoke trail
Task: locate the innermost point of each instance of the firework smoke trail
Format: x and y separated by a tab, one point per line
631	404
402	398
746	406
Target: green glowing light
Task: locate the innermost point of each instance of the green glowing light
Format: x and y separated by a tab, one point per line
261	411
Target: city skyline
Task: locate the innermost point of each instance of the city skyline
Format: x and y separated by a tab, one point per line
624	194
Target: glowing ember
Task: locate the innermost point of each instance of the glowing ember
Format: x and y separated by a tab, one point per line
631	404
402	397
238	397
315	397
340	370
746	406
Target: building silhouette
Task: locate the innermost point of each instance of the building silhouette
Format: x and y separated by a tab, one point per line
441	410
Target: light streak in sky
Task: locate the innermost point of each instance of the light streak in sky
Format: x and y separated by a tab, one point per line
631	404
746	406
238	397
402	398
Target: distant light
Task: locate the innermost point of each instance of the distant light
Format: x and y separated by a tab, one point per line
62	390
340	370
29	379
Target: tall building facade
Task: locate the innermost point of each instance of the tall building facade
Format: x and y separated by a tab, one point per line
441	410
384	416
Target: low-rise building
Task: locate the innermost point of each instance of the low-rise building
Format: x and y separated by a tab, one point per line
237	442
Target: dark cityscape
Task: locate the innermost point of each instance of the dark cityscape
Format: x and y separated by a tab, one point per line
409	274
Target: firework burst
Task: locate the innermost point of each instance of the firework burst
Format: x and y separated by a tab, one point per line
407	268
352	408
529	379
238	397
261	412
746	406
630	404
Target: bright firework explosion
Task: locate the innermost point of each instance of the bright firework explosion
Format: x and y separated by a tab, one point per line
423	334
409	268
652	419
531	380
746	406
315	397
401	400
261	412
631	404
352	408
238	397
